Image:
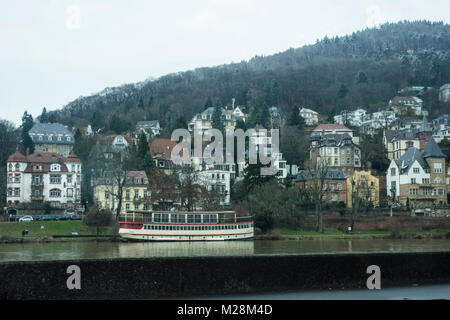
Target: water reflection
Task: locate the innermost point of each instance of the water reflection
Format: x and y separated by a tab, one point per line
107	250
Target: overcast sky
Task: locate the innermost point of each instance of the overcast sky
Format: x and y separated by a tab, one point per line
53	51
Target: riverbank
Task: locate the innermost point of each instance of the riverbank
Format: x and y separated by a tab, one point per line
49	231
333	233
66	231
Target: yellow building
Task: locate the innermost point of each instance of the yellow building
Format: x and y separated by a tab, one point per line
365	186
311	117
203	121
134	194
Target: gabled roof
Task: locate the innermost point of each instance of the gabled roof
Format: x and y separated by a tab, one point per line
307	110
432	150
408	158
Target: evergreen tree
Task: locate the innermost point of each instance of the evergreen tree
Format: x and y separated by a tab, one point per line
295	116
208	104
217	119
141	103
27	143
44	117
27	122
143	147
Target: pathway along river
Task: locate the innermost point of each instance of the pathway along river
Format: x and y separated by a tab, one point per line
107	250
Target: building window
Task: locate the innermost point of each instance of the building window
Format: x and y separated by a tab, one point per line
413	180
437	167
127	207
426	192
55	193
55	179
437	181
392	171
415	170
69	179
413	192
426	180
70	193
441	192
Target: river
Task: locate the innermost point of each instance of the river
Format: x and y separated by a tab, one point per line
106	250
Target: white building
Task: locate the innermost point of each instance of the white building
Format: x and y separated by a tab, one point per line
444	93
148	127
353	118
44	177
217	180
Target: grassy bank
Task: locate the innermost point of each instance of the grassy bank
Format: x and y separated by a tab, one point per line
285	233
46	230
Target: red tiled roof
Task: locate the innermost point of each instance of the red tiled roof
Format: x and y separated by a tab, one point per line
73	158
331	126
17	157
163	147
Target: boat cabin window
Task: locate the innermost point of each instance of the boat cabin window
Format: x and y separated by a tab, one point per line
198	218
164	217
157	217
190	218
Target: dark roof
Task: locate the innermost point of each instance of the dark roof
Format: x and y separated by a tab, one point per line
425	127
432	150
50	133
334	139
408	158
331	174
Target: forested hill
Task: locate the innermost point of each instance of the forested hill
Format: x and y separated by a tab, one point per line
366	68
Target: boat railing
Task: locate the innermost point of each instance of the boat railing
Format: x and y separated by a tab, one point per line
167	217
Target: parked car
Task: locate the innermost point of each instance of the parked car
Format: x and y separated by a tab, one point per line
26	218
64	217
47	218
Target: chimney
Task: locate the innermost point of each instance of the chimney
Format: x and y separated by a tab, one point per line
233	100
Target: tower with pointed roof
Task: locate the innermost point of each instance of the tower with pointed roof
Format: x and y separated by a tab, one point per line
424	134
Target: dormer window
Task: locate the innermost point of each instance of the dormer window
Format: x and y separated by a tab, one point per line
59	138
55	167
17	167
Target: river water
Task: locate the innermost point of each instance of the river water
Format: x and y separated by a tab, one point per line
106	250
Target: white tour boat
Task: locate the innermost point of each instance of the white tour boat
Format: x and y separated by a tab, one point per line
185	226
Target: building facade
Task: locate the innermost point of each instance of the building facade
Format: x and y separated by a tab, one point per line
135	194
44	177
52	137
365	186
418	179
311	117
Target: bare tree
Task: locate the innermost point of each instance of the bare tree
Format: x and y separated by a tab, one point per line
98	218
361	194
163	192
115	179
316	188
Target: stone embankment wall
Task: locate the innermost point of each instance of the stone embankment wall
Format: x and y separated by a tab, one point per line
194	276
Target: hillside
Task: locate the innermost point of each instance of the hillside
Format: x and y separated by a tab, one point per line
366	68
